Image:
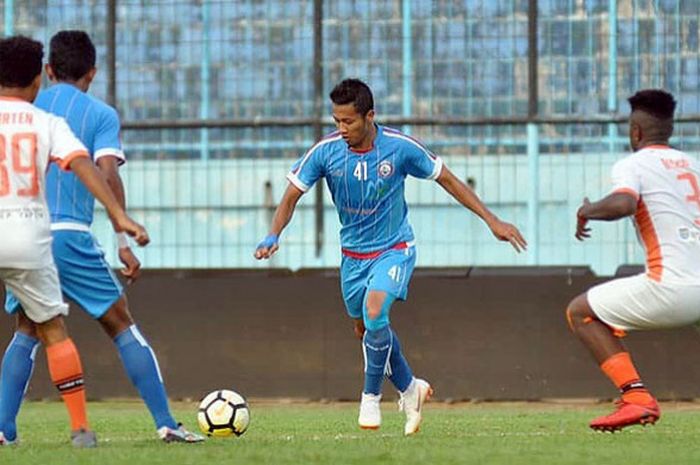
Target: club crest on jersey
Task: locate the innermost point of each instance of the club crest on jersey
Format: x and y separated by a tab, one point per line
385	169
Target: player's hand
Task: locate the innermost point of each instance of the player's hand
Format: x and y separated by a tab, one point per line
137	232
132	265
508	233
359	327
582	229
267	246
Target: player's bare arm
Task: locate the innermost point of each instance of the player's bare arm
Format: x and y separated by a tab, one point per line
613	207
109	166
84	168
268	246
466	196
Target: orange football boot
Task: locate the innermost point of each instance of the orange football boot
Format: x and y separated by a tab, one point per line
627	414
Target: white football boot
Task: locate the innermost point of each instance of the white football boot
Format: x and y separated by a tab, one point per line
83	439
6	442
370	413
411	402
178	435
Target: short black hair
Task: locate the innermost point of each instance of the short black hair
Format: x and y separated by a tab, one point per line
655	102
20	61
71	55
353	91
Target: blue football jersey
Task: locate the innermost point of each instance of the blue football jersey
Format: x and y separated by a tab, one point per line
368	188
97	126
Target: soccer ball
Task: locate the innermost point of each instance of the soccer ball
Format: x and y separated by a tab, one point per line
223	413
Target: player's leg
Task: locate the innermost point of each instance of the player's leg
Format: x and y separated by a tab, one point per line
141	365
383	356
376	349
389	279
139	361
602	339
353	280
88	280
66	372
40	295
17	368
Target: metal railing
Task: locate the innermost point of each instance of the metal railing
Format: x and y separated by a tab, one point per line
476	78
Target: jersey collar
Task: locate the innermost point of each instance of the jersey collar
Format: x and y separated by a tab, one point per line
11	99
658	147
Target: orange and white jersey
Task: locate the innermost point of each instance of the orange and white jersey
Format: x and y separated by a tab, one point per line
666	184
29	139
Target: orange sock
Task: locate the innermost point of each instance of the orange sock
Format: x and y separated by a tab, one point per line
621	371
67	375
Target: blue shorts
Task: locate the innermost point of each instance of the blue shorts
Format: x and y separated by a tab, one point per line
86	277
390	272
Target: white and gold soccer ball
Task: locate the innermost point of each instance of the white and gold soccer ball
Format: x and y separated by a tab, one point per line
223	413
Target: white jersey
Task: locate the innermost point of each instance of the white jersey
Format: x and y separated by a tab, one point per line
666	183
29	139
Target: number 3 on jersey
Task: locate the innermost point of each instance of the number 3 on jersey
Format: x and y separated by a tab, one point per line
22	150
693	181
360	171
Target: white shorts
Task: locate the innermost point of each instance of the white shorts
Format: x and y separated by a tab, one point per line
39	292
638	302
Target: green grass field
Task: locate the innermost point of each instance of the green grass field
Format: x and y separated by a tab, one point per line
502	433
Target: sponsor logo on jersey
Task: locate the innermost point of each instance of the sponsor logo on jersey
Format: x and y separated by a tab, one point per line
689	235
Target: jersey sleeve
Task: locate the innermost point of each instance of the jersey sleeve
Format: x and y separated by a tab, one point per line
421	162
308	169
107	141
65	146
625	178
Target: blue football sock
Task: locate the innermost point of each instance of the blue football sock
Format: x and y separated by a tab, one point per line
17	367
142	367
377	346
401	374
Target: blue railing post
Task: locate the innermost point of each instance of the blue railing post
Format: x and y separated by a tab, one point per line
204	81
533	201
612	71
9	17
407	28
533	143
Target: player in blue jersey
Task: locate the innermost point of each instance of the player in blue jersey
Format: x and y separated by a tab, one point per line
31	139
365	166
85	276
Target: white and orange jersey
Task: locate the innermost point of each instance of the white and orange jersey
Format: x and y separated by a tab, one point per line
29	139
666	184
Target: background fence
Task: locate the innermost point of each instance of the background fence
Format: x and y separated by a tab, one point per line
525	99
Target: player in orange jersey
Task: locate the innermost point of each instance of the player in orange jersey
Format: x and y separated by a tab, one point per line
29	140
85	276
660	188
